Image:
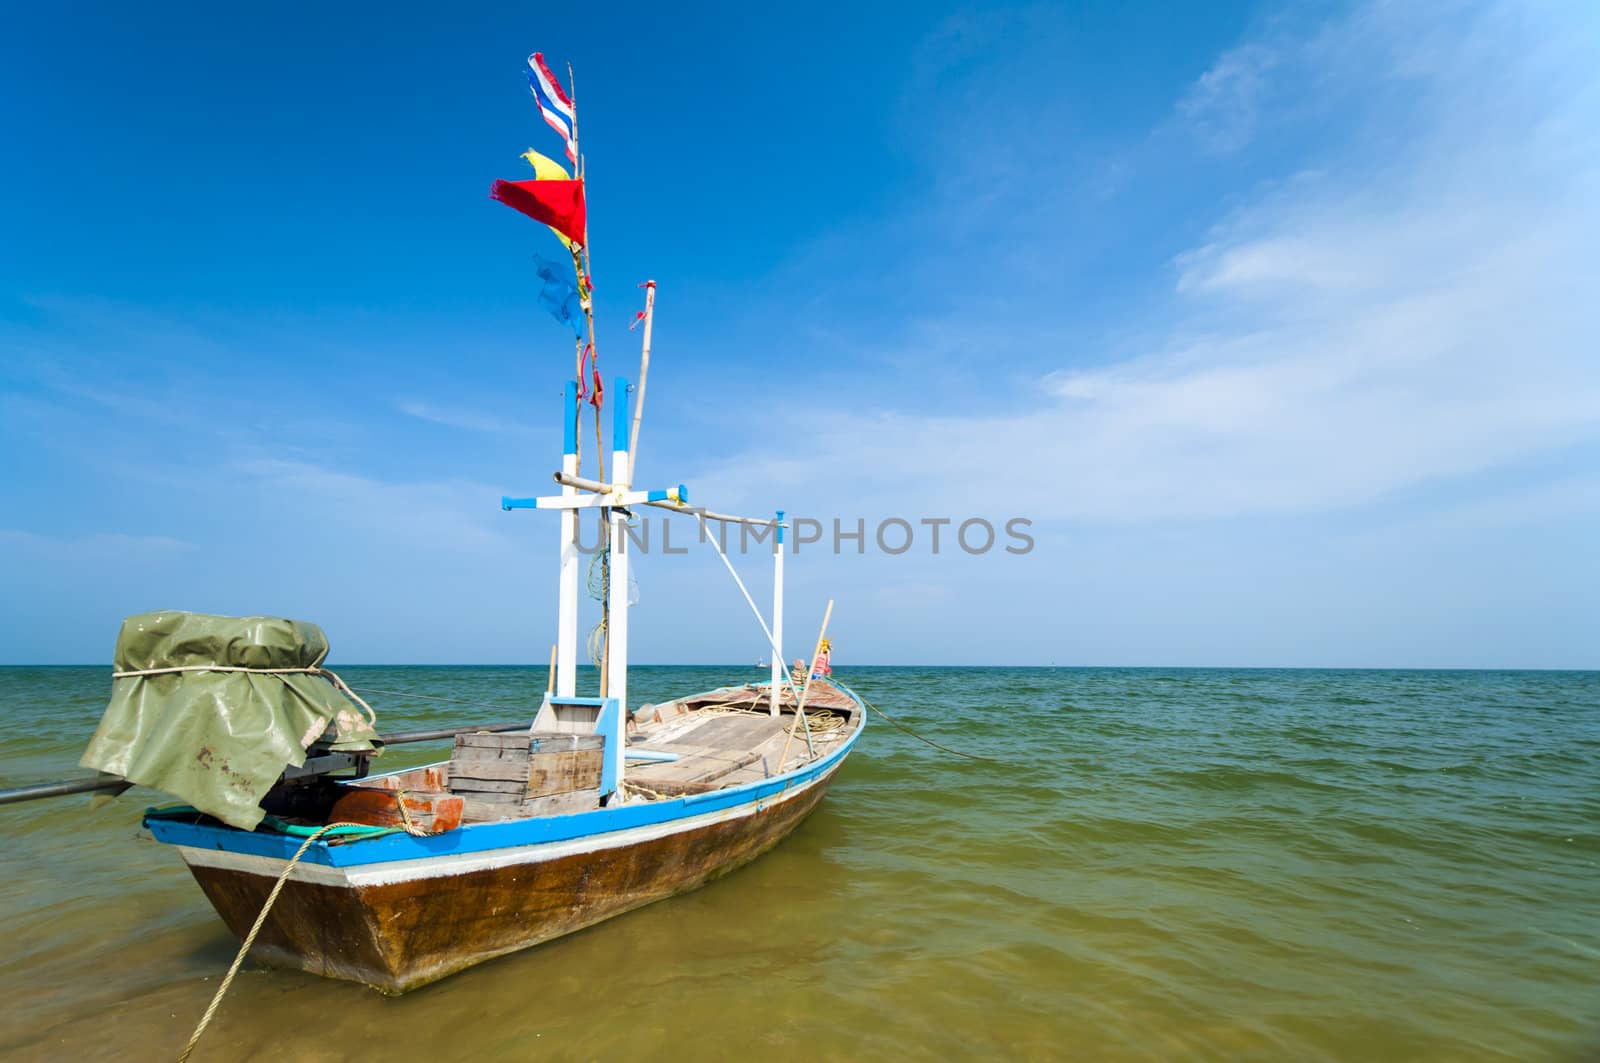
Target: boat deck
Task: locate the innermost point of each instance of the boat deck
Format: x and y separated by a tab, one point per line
697	744
728	737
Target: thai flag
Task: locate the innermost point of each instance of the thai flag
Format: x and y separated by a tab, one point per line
553	103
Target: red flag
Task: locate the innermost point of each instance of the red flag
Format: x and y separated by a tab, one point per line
559	204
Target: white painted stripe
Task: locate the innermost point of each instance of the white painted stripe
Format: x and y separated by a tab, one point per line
555	94
452	864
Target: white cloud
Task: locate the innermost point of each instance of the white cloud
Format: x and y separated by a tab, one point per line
469	419
96	546
1223	106
1386	321
454	514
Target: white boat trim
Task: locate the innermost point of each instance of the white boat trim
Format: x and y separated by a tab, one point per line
451	864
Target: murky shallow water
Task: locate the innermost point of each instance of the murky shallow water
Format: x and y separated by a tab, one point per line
1198	863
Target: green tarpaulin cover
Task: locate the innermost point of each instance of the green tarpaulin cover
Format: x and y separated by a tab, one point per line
220	739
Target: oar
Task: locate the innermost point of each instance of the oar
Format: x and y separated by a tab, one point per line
65	787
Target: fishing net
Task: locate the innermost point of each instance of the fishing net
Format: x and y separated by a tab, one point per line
599	583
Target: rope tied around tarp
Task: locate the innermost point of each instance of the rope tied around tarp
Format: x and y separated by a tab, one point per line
328	674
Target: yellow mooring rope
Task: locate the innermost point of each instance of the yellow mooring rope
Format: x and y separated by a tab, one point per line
926	741
261	919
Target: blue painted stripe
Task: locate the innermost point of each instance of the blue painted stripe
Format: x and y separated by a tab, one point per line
655	496
619	416
518	503
483	837
683	494
780	527
569	419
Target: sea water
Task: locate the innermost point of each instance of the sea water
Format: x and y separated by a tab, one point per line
1150	864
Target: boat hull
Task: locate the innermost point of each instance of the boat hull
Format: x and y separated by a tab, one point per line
400	925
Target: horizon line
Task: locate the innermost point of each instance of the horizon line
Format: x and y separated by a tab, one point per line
952	667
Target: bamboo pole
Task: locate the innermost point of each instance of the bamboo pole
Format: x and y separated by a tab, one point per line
644	372
800	709
585	265
103	781
550	684
580	172
577	360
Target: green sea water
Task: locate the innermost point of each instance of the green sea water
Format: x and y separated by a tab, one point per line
1158	864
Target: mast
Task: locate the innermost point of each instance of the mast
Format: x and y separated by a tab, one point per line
644	372
567	608
616	664
777	610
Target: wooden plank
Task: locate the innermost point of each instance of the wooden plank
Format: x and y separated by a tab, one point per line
562	804
489	753
501	770
556	773
516	787
672	778
476	810
491	740
556	742
702	781
729	732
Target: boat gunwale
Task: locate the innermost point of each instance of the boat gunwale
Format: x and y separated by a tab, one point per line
502	834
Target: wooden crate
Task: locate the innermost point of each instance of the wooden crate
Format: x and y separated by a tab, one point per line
563	763
504	776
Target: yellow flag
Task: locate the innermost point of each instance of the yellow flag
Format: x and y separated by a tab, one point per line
548	169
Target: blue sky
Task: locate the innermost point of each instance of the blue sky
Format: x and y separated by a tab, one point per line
1278	323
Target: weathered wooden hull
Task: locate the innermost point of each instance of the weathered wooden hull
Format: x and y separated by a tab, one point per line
400	924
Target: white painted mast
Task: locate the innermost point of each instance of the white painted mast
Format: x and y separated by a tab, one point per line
644	374
777	610
567	610
617	596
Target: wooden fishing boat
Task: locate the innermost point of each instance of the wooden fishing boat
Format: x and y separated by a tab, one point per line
706	794
530	830
590	810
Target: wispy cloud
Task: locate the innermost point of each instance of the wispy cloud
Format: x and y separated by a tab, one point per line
96	546
1224	105
464	417
1378	323
448	514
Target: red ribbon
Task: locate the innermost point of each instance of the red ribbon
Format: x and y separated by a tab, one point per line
583	359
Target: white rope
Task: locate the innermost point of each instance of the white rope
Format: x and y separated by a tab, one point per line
777	654
332	677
